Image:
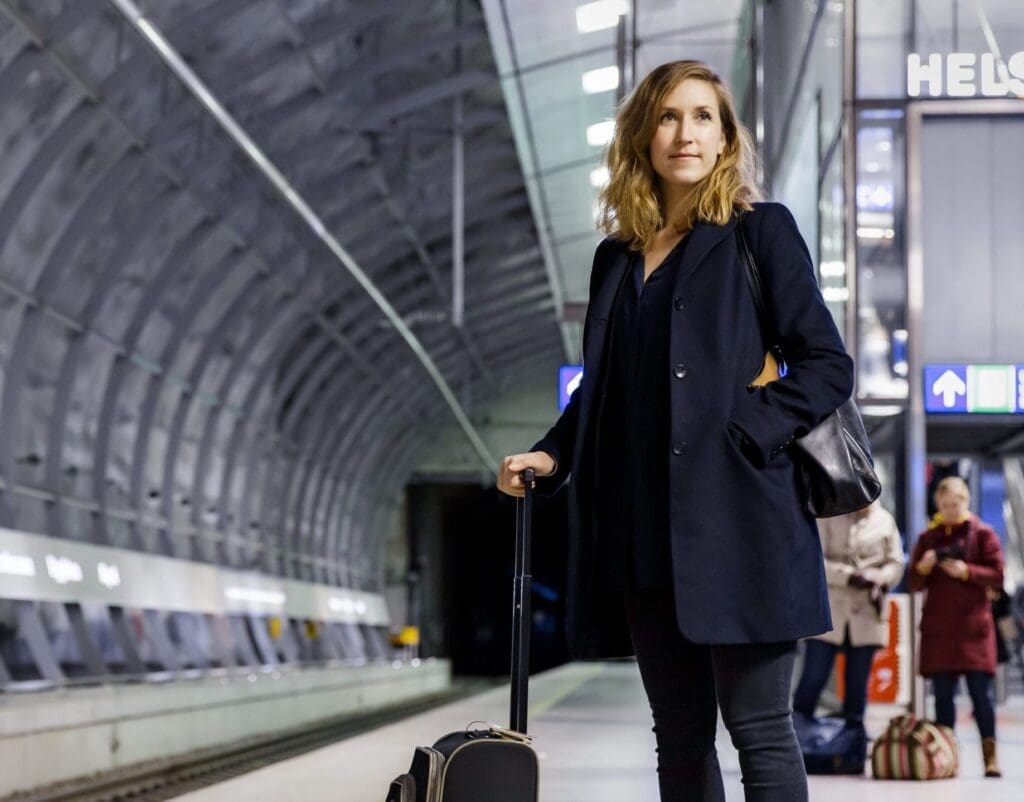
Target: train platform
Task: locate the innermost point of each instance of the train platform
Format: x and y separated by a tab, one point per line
592	730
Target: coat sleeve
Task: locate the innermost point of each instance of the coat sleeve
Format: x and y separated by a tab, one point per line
917	581
987	567
560	439
891	569
834	531
820	373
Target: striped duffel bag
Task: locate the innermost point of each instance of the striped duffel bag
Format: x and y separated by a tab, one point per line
914	749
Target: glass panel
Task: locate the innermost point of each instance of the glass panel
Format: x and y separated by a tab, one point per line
101	630
62	640
883	31
14	648
881	269
831	239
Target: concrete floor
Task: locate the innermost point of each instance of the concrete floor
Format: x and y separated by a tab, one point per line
592	730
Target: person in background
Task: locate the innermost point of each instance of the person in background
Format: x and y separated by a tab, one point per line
863	559
957	560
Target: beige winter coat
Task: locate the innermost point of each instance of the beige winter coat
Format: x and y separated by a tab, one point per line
872	547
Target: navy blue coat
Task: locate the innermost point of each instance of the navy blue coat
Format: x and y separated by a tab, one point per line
746	556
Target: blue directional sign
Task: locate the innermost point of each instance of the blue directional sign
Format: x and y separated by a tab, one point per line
569	377
981	389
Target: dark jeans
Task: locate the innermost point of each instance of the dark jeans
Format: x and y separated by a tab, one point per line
978	685
818	659
687	683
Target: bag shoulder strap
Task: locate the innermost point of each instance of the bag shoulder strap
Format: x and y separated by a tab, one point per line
753	275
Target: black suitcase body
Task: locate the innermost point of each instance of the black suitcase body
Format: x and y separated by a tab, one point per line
492	764
486	765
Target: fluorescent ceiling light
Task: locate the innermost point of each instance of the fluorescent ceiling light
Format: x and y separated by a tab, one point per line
599	177
600	134
833	269
604	79
600	15
881	410
836	294
872	232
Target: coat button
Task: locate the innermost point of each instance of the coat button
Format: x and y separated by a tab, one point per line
679	370
677	447
678	303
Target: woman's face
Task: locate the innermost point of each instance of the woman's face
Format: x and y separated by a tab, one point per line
689	137
953	506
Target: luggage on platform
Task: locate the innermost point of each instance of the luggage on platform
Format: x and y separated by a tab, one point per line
831	745
490	764
915	749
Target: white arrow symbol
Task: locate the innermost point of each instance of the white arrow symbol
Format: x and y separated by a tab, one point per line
949	386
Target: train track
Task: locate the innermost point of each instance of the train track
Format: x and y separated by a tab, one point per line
166	779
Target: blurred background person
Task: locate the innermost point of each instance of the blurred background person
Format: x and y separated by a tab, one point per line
958	560
863	559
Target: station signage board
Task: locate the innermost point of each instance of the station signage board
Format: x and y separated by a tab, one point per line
965	75
569	378
959	388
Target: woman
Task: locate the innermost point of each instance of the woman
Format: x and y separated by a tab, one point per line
863	559
957	560
689	545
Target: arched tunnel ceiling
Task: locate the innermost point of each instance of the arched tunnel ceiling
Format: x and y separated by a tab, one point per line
185	367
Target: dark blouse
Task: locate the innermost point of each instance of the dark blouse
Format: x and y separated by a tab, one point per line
634	424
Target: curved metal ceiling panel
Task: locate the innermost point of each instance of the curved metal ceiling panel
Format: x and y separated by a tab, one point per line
184	367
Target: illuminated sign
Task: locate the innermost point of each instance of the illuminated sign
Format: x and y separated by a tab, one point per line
981	389
965	75
341	605
569	378
62	570
255	596
16	564
108	575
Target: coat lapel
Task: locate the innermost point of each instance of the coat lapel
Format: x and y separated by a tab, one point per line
617	264
703	238
601	307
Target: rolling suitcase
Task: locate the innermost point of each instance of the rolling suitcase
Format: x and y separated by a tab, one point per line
491	764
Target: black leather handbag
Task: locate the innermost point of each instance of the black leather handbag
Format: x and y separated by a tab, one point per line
837	473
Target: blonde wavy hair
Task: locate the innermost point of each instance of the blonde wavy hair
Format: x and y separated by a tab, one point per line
631	208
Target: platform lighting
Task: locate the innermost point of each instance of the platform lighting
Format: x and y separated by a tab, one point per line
600	134
597	16
255	595
871	232
833	269
599	177
881	410
17	564
603	79
836	295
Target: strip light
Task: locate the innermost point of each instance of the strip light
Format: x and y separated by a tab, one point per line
598	16
603	79
600	134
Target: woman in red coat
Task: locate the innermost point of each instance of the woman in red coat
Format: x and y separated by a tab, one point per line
957	560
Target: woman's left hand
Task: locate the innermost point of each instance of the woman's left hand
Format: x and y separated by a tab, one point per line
955	568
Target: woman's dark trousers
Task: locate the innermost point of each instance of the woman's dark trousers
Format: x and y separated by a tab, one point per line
687	683
978	686
818	659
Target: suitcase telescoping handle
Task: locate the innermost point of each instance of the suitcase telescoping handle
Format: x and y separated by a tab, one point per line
521	589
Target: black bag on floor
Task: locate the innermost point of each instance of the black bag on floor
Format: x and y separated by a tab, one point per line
831	745
492	764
